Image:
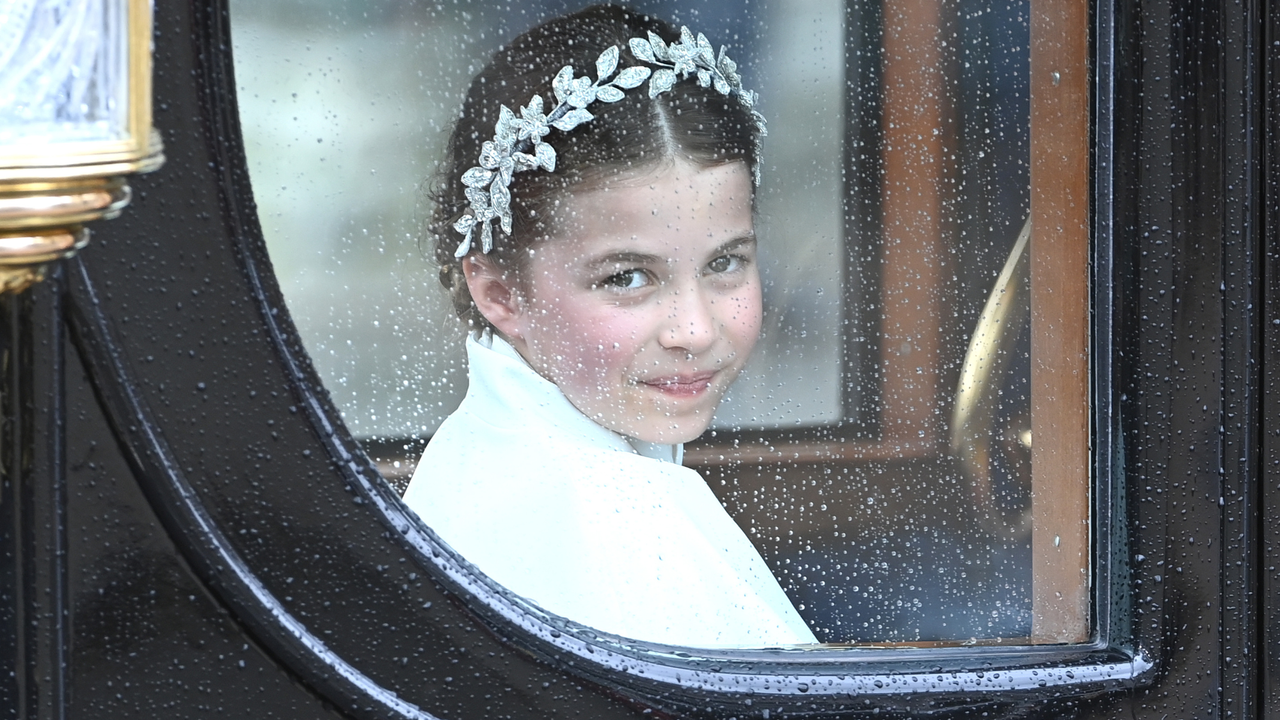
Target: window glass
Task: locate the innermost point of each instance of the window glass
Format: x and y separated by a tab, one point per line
921	373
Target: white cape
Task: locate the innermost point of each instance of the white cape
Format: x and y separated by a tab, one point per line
575	518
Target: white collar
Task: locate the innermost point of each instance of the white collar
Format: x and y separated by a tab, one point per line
500	377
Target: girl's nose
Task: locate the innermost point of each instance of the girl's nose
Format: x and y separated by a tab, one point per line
692	325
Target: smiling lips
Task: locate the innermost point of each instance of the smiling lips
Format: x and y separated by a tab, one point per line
691	385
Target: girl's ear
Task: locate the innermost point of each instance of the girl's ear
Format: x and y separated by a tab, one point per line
494	293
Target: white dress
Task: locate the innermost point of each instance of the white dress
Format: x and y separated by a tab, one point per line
609	532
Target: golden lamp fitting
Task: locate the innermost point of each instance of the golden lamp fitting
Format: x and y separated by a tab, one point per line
75	120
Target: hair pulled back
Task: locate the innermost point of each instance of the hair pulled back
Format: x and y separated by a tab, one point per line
689	122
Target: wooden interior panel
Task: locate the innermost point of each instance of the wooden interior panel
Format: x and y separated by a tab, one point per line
912	211
1059	320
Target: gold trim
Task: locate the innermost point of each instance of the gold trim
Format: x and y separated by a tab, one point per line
44	167
47	204
25	257
44	246
79	152
140	44
17	279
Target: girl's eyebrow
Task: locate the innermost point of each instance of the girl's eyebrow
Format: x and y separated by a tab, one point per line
627	257
734	244
623	257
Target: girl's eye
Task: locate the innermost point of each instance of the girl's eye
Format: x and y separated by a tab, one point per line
627	280
726	264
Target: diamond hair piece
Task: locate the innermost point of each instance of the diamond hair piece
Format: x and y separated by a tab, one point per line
517	144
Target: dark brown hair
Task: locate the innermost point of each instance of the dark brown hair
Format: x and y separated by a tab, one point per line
690	122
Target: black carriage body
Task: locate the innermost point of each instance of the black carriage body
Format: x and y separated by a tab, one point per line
189	531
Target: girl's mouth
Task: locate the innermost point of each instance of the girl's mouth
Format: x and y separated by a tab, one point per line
691	385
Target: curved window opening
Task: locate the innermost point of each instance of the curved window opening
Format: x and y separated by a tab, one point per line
908	447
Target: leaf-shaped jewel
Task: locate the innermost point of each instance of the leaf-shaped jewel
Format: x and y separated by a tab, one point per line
633	76
506	223
465	223
659	48
478	198
722	87
505	130
662	80
704	78
505	169
732	80
477	177
524	161
609	93
583	93
606	63
490	157
641	49
726	66
464	247
705	51
546	156
533	124
486	237
684	53
562	83
501	198
572	119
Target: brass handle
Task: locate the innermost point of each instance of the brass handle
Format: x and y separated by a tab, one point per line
973	417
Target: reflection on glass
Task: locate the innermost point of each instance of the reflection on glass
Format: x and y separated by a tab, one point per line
897	177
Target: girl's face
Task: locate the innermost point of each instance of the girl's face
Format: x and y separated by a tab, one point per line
645	308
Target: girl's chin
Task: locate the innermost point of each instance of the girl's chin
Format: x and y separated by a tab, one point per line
661	418
670	433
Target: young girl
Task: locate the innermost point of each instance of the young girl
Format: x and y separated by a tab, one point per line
594	225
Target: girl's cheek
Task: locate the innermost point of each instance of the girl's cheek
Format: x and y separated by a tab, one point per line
753	307
611	343
757	320
583	341
744	305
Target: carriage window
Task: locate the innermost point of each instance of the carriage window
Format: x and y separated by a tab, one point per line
907	449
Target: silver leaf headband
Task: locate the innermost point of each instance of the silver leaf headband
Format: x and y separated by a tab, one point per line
517	142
